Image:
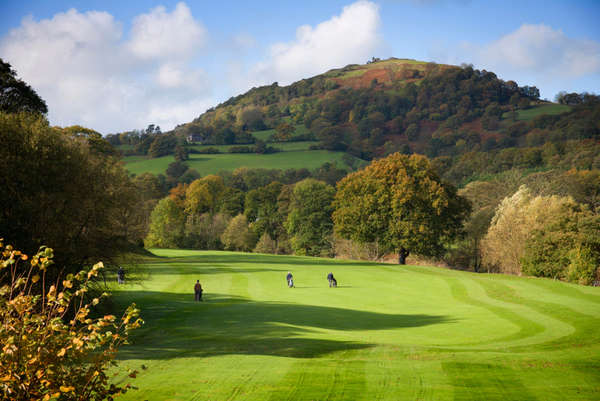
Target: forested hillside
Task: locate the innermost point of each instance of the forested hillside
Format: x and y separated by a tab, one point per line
490	138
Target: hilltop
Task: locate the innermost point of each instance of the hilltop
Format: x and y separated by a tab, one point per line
452	114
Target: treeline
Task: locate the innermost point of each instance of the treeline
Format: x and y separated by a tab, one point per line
231	212
543	224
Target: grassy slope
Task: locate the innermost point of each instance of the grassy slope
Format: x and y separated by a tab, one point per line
211	164
530	114
388	332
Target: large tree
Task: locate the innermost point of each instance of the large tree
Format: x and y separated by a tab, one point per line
401	204
309	221
16	95
59	190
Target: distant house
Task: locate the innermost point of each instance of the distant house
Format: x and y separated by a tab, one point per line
195	138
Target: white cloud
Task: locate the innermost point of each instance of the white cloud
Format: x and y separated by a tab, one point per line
351	37
90	75
541	49
160	34
179	76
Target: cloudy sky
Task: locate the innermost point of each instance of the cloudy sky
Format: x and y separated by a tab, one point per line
119	65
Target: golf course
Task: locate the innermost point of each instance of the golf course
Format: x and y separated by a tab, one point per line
387	332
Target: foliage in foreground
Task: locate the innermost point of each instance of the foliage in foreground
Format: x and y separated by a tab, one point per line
52	348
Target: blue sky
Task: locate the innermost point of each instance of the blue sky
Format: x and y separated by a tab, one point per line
119	65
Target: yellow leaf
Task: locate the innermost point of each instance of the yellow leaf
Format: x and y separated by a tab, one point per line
66	389
35	278
62	352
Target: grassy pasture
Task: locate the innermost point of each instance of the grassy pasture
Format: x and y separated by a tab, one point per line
295	155
387	333
530	114
211	164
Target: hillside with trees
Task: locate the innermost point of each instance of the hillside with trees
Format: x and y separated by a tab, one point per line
483	135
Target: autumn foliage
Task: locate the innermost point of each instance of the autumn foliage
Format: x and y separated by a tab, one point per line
401	204
52	347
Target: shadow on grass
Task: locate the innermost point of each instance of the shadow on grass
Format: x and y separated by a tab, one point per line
176	326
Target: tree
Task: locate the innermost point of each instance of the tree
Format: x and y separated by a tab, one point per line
544	236
176	169
284	132
238	236
204	231
15	95
203	195
266	245
309	221
261	210
401	204
59	191
162	145
53	347
166	225
181	153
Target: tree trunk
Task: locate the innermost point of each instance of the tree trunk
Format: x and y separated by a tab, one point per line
402	255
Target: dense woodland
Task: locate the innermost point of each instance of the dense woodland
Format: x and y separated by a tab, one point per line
442	129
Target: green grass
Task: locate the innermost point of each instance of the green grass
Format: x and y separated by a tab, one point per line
530	114
265	134
387	333
211	164
294	155
284	146
142	164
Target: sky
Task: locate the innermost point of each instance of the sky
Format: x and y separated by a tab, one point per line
120	65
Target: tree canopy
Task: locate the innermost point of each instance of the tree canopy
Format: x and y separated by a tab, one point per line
400	203
16	95
60	191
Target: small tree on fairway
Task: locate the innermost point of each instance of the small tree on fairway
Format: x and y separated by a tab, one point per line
400	203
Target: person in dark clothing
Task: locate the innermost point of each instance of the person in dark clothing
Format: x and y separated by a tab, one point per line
332	280
198	291
121	275
290	279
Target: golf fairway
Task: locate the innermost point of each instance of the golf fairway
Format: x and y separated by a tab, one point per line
387	332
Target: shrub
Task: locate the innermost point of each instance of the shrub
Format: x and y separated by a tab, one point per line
238	236
266	244
51	347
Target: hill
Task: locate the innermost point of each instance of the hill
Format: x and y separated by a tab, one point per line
387	332
398	105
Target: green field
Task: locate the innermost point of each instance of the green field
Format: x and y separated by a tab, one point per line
388	332
530	114
212	164
266	134
284	146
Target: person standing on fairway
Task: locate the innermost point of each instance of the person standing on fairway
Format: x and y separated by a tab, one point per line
198	291
290	279
330	279
121	275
